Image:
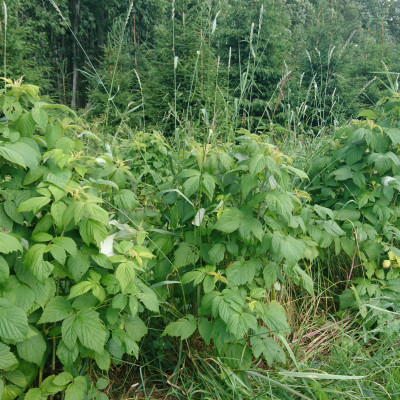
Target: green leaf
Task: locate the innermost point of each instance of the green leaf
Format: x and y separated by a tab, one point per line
9	243
186	254
261	343
332	228
7	358
217	253
12	156
248	183
183	328
209	185
275	318
40	117
13	321
34	394
87	327
149	299
279	204
257	164
343	173
97	213
125	274
34	204
92	231
287	247
78	265
63	379
191	185
239	324
33	348
205	329
126	199
77	389
67	244
4	270
34	262
241	272
270	273
394	134
26	125
229	221
136	328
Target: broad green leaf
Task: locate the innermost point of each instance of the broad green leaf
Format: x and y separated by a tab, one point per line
241	272
92	231
287	247
125	274
149	299
229	221
7	358
77	389
136	328
9	243
262	344
4	270
257	163
394	134
185	254
275	318
34	394
126	199
332	228
87	327
33	348
216	253
343	173
13	321
67	244
12	156
248	183
35	263
34	204
239	324
279	204
191	185
26	125
97	213
81	288
205	329
41	117
183	328
270	273
209	185
63	379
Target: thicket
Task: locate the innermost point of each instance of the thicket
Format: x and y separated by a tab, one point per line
206	225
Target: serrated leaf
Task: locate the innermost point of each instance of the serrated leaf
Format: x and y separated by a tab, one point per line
92	231
12	156
34	204
125	274
183	328
229	221
239	324
185	254
77	389
40	117
279	204
241	272
287	247
9	243
33	348
216	253
270	273
7	358
262	344
275	318
67	244
4	270
87	327
257	164
35	263
13	321
149	299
